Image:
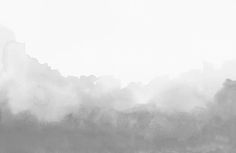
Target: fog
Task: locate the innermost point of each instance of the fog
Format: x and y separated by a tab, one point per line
31	86
101	115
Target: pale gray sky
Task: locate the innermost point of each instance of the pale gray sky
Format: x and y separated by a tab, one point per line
135	40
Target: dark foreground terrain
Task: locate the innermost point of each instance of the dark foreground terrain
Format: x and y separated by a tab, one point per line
142	129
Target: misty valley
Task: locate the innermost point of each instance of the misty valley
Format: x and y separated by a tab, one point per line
118	76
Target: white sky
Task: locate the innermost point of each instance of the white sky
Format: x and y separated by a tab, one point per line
135	40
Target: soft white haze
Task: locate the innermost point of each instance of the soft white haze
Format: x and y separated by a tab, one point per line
135	40
28	86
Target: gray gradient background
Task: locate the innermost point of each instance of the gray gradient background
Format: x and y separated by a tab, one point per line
127	76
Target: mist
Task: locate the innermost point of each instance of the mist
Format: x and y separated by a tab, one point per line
167	111
31	86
